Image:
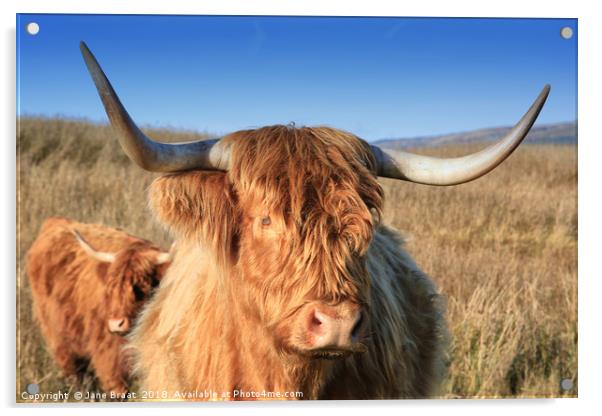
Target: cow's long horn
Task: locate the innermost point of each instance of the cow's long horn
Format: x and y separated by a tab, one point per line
101	256
148	154
452	171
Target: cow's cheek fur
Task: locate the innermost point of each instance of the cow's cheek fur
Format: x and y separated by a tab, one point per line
264	275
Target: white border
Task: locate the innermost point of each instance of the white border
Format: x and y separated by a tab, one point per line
590	137
457	8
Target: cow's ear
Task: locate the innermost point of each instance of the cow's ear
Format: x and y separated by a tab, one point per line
196	203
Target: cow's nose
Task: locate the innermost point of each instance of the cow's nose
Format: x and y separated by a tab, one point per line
335	327
119	325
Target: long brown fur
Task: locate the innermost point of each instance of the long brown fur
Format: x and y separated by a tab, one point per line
74	295
227	314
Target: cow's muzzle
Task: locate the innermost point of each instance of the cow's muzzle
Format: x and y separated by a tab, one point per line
118	325
334	331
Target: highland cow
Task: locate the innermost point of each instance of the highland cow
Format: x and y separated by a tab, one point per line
286	283
88	283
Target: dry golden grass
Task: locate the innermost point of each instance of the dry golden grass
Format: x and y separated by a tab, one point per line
502	249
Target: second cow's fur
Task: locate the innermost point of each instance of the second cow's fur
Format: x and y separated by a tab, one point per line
76	296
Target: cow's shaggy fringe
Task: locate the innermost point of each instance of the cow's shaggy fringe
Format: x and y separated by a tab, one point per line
226	315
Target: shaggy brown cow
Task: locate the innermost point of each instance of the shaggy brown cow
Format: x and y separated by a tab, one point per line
285	280
85	300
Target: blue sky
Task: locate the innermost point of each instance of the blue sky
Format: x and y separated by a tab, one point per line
376	77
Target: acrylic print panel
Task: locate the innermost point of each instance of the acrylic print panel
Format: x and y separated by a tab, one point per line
296	208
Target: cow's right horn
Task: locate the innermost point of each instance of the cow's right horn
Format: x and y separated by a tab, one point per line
148	154
166	257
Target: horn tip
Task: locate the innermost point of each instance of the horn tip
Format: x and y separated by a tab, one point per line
83	47
87	54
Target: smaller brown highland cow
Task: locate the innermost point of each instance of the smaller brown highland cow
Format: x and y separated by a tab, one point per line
88	283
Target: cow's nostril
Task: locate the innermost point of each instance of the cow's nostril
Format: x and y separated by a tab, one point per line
121	323
319	323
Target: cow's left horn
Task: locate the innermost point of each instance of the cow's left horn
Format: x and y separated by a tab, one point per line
452	171
101	256
148	154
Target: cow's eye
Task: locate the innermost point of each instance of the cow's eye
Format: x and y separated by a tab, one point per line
154	282
138	293
265	221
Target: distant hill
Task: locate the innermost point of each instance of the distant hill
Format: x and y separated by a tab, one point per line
557	133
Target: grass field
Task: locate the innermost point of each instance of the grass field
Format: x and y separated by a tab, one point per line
502	250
